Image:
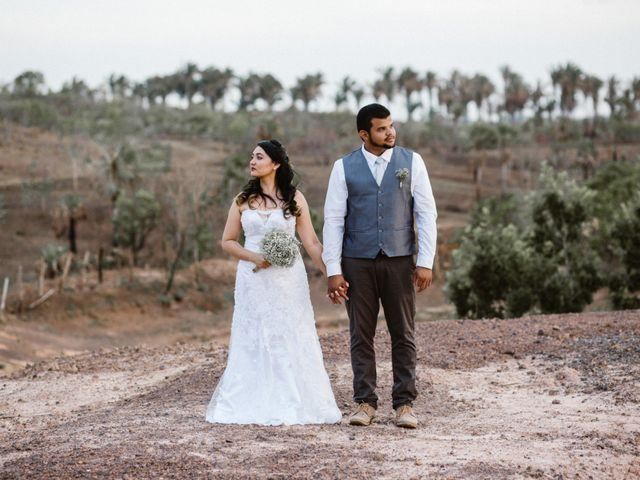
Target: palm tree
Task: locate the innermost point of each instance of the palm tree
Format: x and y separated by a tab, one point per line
455	93
612	97
342	95
567	78
186	82
249	88
430	82
536	95
270	90
358	92
139	92
482	89
590	86
307	89
627	101
71	212
214	84
78	89
28	84
516	92
409	83
386	84
119	85
635	88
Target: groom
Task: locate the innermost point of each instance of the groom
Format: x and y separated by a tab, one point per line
378	196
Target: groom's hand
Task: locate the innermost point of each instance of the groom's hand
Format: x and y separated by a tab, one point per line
337	288
422	278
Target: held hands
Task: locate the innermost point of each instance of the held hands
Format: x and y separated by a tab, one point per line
337	288
260	263
422	278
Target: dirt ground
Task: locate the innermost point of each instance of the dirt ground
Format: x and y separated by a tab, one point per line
550	397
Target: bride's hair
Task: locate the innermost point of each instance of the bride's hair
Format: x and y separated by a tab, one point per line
285	181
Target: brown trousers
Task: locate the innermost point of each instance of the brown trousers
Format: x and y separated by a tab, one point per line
371	281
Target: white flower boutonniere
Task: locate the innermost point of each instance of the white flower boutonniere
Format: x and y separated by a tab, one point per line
402	173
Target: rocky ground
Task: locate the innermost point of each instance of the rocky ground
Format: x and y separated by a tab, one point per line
549	397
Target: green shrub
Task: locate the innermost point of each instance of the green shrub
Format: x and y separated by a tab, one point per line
517	257
51	255
134	218
624	283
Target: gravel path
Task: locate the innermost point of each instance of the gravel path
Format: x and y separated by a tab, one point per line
549	397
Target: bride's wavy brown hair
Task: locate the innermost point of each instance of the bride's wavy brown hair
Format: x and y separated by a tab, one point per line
286	181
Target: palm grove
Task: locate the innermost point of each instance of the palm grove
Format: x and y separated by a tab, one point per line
544	250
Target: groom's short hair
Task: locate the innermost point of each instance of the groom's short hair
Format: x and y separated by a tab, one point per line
369	112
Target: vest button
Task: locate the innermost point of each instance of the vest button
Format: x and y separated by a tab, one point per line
380	204
380	230
380	217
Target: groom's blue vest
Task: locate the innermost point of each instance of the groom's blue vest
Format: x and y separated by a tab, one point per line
379	218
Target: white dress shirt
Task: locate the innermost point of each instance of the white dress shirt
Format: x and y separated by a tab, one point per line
335	211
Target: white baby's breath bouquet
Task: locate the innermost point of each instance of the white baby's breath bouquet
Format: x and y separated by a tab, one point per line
280	248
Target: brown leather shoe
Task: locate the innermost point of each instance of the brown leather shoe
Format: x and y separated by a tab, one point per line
363	416
405	417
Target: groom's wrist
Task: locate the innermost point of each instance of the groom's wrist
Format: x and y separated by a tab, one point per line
333	269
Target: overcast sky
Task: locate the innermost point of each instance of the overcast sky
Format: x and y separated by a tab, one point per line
289	38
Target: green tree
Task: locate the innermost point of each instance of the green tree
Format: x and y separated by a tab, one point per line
344	89
270	90
249	88
495	272
590	85
385	85
307	89
72	211
562	213
482	89
516	92
187	81
134	218
612	98
213	85
624	283
410	84
535	255
567	79
119	86
28	84
430	83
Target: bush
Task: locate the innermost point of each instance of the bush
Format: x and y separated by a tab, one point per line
626	132
51	255
494	273
134	218
625	282
537	255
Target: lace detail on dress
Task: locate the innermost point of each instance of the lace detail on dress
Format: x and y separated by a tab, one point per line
275	372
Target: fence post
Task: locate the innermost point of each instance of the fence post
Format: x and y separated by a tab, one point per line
5	289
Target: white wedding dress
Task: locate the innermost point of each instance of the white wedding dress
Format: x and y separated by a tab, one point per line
275	372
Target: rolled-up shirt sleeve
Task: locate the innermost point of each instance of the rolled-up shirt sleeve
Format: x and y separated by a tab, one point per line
424	209
335	210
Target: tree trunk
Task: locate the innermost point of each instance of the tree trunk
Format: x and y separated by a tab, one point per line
72	234
100	257
174	265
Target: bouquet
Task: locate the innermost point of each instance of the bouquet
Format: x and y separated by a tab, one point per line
279	248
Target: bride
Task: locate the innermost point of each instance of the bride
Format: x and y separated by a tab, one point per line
275	373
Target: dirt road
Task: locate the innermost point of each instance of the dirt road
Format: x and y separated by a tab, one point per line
551	397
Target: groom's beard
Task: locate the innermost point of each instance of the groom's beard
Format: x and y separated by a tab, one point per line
384	145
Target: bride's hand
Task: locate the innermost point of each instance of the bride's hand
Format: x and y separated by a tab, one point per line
260	263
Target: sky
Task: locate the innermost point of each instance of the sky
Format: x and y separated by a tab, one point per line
290	38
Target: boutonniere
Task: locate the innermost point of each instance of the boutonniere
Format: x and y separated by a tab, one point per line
402	173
